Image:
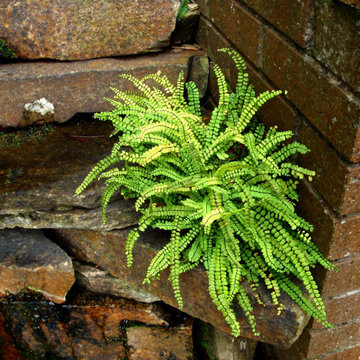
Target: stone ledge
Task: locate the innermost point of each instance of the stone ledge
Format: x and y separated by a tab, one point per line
79	86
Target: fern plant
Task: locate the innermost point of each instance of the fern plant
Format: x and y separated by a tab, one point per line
183	9
225	189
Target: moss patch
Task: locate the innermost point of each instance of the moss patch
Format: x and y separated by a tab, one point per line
19	136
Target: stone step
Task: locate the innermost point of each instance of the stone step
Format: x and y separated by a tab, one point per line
77	30
78	86
107	250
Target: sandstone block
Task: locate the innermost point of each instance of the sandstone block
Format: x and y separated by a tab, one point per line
157	343
86	327
98	281
29	260
78	30
39	178
78	86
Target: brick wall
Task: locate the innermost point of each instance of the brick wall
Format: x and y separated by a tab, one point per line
312	49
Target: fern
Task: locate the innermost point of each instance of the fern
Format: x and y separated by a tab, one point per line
227	191
183	9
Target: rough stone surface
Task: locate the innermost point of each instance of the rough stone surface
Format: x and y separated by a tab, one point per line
39	178
199	73
156	343
78	86
87	327
29	260
107	249
314	343
98	281
333	283
78	30
219	345
341	308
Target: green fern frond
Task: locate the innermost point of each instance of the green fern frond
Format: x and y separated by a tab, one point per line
225	190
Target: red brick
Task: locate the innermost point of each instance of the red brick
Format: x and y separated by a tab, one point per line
347	277
332	110
291	17
348	354
294	353
341	309
211	40
275	112
337	40
338	182
314	343
238	25
336	238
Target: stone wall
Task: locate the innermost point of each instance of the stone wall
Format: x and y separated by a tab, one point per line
311	49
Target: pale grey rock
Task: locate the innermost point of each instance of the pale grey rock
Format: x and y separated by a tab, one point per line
99	281
222	346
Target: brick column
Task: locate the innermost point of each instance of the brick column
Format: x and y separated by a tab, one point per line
312	49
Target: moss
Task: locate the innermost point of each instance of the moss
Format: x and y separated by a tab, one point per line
31	133
13	174
5	51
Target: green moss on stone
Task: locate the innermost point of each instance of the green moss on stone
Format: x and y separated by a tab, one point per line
32	133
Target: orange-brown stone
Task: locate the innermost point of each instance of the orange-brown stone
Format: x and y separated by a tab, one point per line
158	343
29	260
78	30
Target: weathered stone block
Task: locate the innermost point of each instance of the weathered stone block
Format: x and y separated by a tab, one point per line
39	178
157	343
78	86
29	260
78	30
87	327
98	281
